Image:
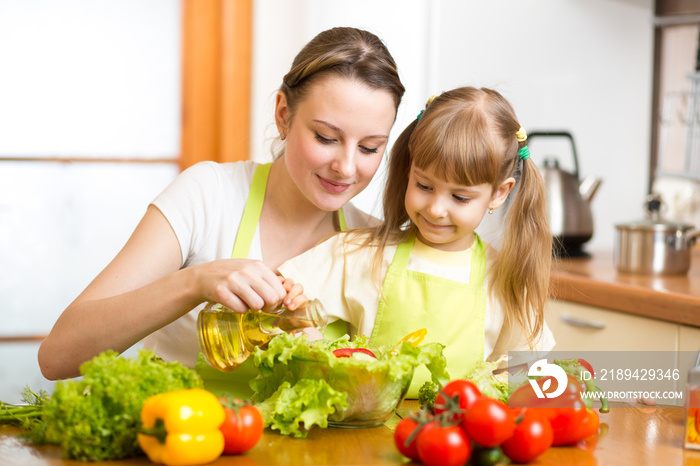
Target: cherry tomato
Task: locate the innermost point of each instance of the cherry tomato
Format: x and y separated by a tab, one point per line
443	446
404	430
488	422
532	437
467	391
242	427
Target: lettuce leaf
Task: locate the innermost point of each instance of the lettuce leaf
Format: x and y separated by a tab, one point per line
97	417
499	385
294	409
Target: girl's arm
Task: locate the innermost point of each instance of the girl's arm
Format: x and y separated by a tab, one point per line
144	289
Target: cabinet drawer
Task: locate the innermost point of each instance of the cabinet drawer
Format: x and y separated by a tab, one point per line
579	327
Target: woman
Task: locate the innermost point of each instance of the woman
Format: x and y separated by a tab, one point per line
334	112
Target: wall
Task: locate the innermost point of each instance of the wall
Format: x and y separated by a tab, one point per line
282	28
585	67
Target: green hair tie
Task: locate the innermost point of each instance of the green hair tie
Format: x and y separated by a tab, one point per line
432	97
524	153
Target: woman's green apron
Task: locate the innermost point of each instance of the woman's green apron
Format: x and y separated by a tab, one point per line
454	313
236	383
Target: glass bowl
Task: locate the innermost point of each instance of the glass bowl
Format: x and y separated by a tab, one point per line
374	390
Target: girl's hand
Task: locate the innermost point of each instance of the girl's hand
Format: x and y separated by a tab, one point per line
240	284
295	296
312	333
293	300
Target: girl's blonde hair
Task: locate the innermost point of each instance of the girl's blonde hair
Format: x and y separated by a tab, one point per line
469	135
344	52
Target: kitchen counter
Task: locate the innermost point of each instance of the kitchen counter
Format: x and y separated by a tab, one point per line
629	434
595	281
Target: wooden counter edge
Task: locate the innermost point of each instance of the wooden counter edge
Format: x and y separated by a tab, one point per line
639	301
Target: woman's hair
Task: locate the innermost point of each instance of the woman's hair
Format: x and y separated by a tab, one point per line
469	135
344	52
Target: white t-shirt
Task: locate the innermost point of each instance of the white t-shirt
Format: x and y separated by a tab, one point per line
341	277
204	206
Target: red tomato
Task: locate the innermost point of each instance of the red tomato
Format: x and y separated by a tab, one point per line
532	437
468	393
443	446
242	428
488	422
347	352
404	430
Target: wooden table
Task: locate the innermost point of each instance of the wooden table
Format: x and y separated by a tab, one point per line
631	434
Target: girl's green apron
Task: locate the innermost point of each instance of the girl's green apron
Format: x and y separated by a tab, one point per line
453	313
235	383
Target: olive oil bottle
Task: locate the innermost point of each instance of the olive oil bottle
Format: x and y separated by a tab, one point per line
227	338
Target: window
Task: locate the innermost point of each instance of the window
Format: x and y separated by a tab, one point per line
92	131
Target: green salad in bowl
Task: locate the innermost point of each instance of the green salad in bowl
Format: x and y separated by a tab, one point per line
338	383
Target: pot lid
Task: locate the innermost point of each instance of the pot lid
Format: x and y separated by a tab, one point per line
650	225
654	222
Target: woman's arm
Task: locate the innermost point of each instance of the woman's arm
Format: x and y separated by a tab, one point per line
144	289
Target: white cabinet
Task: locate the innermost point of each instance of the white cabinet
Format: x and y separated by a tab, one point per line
580	327
611	338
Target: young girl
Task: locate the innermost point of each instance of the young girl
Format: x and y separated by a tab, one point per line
425	266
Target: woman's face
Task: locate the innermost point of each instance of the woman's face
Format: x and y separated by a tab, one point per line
336	139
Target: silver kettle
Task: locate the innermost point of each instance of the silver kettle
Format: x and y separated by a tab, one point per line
568	199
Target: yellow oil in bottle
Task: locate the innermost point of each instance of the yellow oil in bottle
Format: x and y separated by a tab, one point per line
228	338
221	339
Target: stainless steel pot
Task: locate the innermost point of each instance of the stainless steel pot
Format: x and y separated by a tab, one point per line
654	246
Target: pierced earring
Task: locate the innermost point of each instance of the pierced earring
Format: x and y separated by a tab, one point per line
283	135
490	211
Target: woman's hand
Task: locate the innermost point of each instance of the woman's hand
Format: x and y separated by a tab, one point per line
241	284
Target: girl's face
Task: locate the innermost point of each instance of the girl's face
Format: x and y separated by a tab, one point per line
446	213
336	139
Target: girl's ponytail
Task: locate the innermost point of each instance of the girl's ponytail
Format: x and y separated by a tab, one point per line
520	276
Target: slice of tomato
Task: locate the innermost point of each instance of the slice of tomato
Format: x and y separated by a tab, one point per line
347	352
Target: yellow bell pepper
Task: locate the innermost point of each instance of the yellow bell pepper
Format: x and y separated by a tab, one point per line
181	428
413	338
